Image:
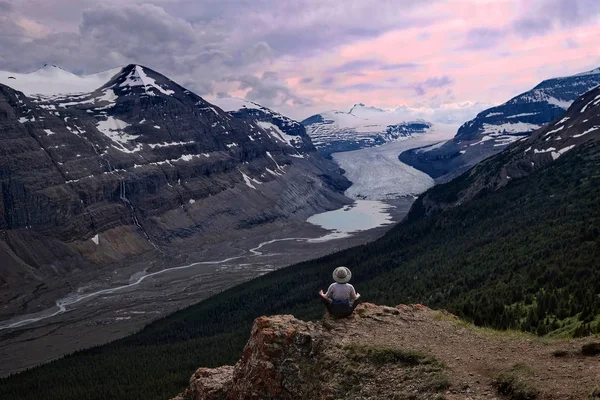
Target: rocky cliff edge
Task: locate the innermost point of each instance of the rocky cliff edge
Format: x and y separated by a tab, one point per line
402	352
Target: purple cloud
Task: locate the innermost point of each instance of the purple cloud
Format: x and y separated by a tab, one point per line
362	87
354	65
327	81
5	6
542	16
391	67
421	88
483	38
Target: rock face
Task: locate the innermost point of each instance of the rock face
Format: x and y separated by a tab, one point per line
286	358
140	164
280	127
496	128
402	352
579	126
363	126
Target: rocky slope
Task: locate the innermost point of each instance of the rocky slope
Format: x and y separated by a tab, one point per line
579	126
280	127
496	128
403	352
362	126
137	164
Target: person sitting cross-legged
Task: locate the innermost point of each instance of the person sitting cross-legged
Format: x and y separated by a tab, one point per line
341	298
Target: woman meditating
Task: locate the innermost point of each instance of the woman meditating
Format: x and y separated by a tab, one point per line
341	298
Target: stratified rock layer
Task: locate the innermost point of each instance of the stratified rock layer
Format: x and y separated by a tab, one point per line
141	165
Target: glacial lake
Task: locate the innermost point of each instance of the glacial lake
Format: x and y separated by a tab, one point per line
362	215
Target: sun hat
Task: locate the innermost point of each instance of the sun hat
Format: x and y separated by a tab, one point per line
342	275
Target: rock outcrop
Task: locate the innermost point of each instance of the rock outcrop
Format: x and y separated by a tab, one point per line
403	352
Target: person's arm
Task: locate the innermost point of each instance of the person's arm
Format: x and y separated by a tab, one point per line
326	295
353	293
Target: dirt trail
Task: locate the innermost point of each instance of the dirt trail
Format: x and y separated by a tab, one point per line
475	356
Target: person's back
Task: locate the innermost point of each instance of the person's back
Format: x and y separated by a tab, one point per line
341	293
341	298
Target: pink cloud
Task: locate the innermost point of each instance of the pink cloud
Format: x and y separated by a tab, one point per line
492	74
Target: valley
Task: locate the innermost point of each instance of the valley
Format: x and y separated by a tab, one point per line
122	300
162	210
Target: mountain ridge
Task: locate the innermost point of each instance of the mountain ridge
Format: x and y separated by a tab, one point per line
137	165
495	128
335	131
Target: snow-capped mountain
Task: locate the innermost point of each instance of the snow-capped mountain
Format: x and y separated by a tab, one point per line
572	132
362	126
280	127
51	80
497	127
101	168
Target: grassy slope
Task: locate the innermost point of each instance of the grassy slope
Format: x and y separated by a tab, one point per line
503	249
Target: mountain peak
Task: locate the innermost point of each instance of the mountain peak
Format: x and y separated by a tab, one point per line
135	76
591	72
364	107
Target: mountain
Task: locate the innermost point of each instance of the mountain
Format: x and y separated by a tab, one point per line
363	126
280	127
497	127
519	254
135	164
579	126
402	352
51	80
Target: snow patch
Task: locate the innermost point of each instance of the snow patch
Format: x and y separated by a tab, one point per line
278	134
564	104
249	181
164	144
554	131
96	239
51	80
509	127
114	128
562	151
26	119
594	128
523	115
49	132
138	77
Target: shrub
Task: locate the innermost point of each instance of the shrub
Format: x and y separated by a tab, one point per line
590	349
514	383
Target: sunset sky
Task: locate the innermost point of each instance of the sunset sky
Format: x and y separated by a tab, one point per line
448	58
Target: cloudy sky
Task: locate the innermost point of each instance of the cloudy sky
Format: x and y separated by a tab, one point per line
444	59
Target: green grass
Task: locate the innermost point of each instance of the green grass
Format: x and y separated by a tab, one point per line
514	383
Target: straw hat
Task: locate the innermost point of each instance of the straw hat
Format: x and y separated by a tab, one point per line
342	275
